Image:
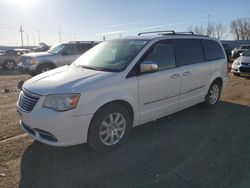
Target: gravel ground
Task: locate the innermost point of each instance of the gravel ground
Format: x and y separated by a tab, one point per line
196	147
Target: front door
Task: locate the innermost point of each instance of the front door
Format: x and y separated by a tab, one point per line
159	91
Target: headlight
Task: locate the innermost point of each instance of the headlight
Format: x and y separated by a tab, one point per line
62	102
236	62
31	61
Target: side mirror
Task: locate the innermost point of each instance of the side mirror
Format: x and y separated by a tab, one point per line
148	67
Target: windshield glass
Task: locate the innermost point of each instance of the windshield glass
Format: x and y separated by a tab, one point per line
245	47
111	56
247	53
56	49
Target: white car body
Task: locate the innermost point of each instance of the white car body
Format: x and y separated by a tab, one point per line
151	96
242	64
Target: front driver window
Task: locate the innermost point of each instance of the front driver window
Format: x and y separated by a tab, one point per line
163	55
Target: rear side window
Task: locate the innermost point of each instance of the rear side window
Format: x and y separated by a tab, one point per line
189	51
212	50
82	48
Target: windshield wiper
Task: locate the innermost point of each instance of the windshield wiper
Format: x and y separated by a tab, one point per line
93	68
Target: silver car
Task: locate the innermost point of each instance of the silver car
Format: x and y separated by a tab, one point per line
242	64
58	55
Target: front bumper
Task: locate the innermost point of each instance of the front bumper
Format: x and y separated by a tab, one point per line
54	128
26	67
241	69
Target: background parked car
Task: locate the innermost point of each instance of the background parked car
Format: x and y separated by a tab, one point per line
9	59
58	55
242	64
236	52
41	48
2	52
227	50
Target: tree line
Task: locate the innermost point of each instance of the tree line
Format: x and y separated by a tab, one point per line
239	28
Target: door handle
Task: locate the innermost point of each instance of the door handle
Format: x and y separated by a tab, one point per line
175	76
186	73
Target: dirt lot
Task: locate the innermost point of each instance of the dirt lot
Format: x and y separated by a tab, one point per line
197	147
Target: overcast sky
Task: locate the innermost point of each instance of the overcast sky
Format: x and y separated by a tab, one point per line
91	19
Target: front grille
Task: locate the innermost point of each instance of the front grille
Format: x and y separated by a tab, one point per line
245	69
246	64
27	101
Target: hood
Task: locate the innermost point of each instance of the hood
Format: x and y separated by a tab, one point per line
243	59
37	54
66	79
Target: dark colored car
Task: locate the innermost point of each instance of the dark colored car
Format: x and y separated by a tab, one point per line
9	59
41	48
227	50
236	52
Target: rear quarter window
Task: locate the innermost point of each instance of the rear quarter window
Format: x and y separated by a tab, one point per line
212	50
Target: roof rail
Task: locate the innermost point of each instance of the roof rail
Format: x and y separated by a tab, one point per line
186	32
83	41
159	32
172	32
179	33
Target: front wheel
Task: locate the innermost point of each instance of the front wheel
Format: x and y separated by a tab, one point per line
236	74
109	128
213	94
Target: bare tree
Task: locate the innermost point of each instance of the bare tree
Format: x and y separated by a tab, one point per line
240	28
198	30
211	30
219	31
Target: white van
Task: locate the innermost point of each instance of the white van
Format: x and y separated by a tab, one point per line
120	84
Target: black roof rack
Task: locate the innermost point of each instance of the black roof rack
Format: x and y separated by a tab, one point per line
171	32
84	42
159	32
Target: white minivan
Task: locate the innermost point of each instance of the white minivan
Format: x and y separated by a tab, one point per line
120	84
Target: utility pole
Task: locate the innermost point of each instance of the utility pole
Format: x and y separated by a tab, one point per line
60	34
27	36
34	43
38	33
21	31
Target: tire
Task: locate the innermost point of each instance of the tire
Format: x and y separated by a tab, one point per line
109	127
213	94
9	65
236	74
44	68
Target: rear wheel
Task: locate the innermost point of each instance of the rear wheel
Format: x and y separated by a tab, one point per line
213	94
9	64
109	128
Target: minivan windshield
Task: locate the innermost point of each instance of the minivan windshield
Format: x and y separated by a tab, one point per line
56	49
112	56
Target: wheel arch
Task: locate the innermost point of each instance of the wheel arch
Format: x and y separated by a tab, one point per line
47	63
123	103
